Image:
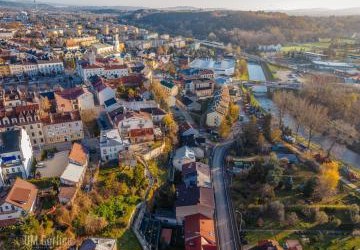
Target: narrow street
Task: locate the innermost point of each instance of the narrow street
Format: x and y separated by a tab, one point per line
226	231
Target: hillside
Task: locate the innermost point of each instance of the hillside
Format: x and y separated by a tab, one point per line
245	28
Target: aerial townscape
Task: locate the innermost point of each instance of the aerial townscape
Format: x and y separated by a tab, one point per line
178	128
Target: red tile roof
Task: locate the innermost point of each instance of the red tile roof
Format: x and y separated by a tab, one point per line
78	154
22	194
199	232
71	94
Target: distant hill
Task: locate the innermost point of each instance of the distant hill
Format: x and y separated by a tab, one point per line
245	28
323	12
23	4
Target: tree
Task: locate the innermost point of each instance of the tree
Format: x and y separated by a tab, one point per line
261	142
45	106
321	217
276	135
292	219
94	224
224	129
282	100
329	175
234	111
315	120
289	183
277	210
340	132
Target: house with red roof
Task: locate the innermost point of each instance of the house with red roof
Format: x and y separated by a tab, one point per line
199	233
19	201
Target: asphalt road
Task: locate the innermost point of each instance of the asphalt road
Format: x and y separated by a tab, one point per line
226	231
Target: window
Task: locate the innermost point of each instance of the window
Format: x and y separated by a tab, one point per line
34	141
32	134
40	133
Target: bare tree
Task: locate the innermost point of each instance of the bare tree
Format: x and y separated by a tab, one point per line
342	133
283	102
315	120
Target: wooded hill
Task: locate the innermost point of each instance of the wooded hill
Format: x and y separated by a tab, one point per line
246	28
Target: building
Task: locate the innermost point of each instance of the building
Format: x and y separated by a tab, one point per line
111	144
43	67
77	98
183	155
103	92
218	108
19	202
201	88
26	117
74	172
157	114
102	48
136	126
109	71
171	90
199	232
196	174
16	156
193	74
224	67
62	127
98	244
194	200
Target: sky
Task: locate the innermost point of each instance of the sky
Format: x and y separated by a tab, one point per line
228	4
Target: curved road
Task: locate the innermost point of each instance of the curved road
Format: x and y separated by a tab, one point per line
226	231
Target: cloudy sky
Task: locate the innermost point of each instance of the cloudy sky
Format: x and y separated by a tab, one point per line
229	4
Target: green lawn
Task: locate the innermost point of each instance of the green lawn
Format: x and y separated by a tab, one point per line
128	241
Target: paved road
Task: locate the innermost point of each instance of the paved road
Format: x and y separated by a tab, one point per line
226	231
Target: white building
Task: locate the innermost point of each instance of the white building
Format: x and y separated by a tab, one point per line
183	156
16	155
223	67
50	67
102	48
111	144
110	71
74	172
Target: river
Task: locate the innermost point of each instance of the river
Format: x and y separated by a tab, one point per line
339	151
256	72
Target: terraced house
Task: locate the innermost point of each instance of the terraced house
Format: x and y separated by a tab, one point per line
62	127
218	107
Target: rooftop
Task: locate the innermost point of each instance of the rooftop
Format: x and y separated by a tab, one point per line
22	194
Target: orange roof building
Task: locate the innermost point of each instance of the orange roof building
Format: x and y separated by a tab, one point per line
20	200
199	232
78	154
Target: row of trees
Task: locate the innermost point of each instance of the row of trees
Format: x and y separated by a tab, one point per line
315	118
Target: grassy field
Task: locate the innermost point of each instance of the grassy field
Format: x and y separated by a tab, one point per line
128	241
306	46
